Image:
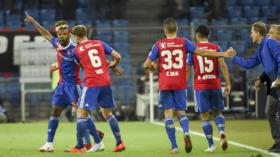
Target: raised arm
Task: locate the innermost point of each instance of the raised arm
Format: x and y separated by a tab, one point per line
246	63
207	53
44	32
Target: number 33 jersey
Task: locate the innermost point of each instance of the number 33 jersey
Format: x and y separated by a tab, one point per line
90	54
171	53
206	70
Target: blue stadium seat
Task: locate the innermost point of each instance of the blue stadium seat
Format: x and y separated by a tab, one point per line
47	14
238	21
196	12
256	19
234	12
276	3
103	23
219	21
199	21
239	47
83	4
225	35
120	36
86	22
34	13
247	2
72	23
48	24
29	27
262	2
83	14
107	37
223	45
231	2
244	34
184	33
13	17
182	22
121	46
120	23
251	12
14	25
270	12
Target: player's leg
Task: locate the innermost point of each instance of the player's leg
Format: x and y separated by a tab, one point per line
166	100
107	103
179	100
58	104
203	107
217	105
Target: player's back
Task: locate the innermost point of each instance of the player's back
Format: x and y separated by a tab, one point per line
172	55
91	55
206	70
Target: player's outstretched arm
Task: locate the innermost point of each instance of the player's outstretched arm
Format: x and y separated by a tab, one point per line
225	73
207	53
44	32
117	58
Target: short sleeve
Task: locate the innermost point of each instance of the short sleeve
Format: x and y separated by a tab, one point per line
190	47
153	55
54	42
108	50
190	59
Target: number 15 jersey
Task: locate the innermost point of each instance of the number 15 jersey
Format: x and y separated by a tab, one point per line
91	56
206	70
172	53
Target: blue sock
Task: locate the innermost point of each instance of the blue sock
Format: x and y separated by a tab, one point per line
92	130
170	129
208	131
220	123
113	122
184	122
81	130
53	123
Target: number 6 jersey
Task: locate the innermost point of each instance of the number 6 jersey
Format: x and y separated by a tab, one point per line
206	71
172	53
91	56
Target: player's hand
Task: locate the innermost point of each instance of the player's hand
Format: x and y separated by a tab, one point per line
118	70
230	52
154	67
258	83
28	18
277	83
111	64
227	90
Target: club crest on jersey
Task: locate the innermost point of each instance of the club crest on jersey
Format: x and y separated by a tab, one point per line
82	48
163	45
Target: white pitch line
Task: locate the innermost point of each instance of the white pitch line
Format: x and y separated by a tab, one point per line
230	142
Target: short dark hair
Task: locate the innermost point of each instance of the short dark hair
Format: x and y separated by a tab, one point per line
79	30
60	23
170	25
203	30
260	27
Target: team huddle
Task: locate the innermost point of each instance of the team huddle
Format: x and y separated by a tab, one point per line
173	57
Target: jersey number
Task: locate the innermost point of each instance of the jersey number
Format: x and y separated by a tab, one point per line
206	65
168	59
95	60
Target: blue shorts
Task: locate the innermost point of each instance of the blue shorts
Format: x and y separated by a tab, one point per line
209	100
173	99
91	96
65	94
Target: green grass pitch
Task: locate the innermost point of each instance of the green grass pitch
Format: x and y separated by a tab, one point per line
142	139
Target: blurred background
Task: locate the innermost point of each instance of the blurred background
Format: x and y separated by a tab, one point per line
131	27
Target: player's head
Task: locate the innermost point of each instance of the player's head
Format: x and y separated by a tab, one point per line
79	32
62	32
170	26
258	31
274	32
201	32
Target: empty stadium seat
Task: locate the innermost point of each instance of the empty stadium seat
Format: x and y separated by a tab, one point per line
196	12
251	12
269	11
219	21
234	12
182	22
262	2
239	47
120	23
199	21
107	37
14	25
244	34
247	2
231	2
103	23
224	35
256	19
47	14
238	21
83	14
120	36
